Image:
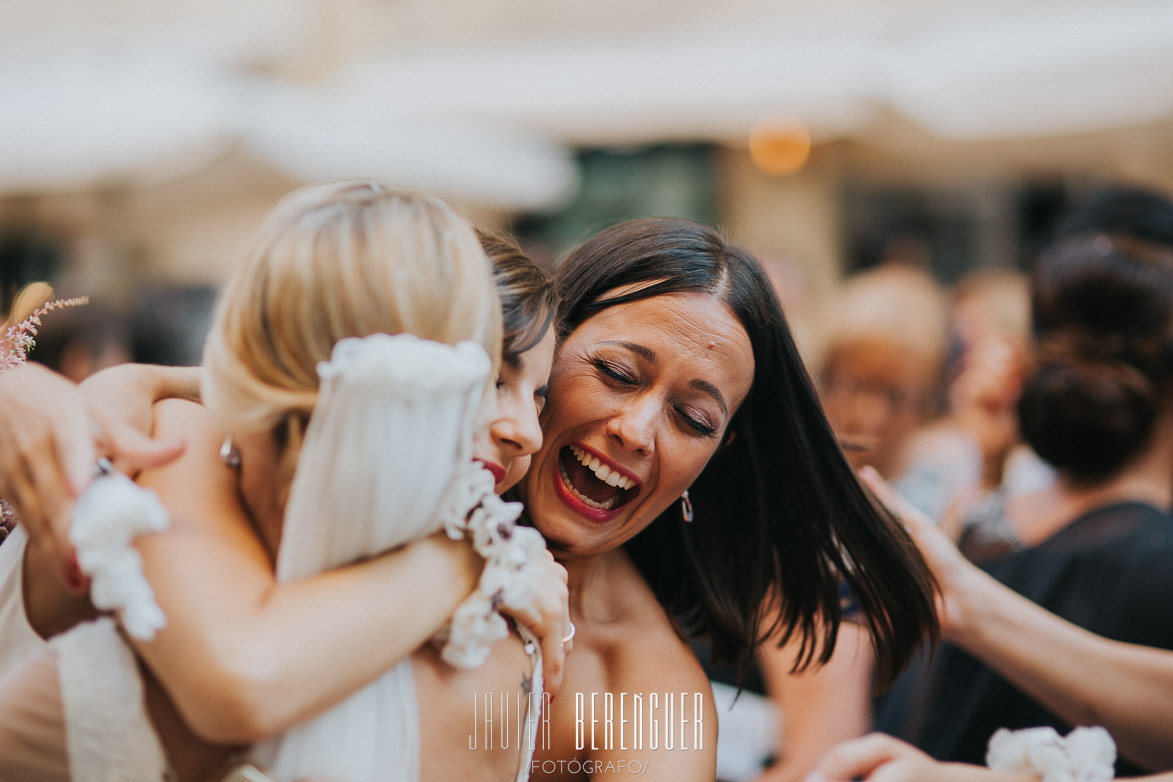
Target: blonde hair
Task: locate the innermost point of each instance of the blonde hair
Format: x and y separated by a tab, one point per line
336	260
896	304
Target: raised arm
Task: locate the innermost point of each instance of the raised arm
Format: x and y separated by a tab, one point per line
244	657
1084	678
820	706
53	433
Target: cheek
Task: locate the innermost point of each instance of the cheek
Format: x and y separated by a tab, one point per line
517	470
482	446
687	468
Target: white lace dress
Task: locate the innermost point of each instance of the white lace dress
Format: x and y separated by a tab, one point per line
18	640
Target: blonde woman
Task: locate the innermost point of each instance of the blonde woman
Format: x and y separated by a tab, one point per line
333	262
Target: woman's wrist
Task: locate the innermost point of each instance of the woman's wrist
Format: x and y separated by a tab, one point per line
456	559
970	601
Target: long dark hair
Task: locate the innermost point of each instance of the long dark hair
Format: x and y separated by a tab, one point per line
781	521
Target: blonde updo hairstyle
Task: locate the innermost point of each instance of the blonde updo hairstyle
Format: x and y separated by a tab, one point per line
336	260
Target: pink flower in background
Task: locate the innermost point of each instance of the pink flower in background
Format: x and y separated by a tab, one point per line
21	339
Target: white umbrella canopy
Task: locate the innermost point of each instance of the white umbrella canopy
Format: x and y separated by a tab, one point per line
311	134
968	74
962	71
146	103
86	119
469	114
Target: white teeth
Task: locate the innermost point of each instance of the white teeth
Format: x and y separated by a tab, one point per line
608	505
602	472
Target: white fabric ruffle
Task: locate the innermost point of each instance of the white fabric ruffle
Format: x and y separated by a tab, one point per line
474	511
1084	755
109	515
108	732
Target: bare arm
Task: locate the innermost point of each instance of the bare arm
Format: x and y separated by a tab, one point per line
880	758
243	657
820	707
1084	678
53	433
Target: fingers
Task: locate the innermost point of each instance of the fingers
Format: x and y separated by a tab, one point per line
132	451
555	609
54	501
864	758
47	458
893	501
547	616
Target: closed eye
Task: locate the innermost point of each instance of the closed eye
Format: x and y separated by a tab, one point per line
696	424
614	372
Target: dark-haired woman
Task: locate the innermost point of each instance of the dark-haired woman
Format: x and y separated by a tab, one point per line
1094	549
687	470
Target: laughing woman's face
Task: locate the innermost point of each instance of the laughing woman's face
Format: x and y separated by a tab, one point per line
641	395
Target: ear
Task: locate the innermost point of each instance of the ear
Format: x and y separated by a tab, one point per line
729	438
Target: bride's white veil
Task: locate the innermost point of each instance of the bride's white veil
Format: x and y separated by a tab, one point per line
392	425
388	437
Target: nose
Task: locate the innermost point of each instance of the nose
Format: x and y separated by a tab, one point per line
867	411
517	430
634	424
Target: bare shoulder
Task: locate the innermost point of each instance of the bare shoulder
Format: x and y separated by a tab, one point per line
655	691
197	488
181	418
648	655
646	646
653	657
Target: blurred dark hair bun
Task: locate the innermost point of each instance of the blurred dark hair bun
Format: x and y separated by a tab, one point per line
1102	309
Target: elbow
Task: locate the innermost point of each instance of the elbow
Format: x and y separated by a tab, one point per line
234	701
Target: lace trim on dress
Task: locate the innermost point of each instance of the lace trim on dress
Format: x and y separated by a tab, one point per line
472	510
1084	755
107	729
111	513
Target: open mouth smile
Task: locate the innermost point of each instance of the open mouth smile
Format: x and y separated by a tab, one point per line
587	480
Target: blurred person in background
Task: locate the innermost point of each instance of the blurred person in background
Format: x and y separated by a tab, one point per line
81	341
974	457
881	372
1093	548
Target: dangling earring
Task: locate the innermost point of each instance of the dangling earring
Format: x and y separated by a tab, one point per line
229	455
686	506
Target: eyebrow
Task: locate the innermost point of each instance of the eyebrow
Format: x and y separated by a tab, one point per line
649	355
641	350
711	390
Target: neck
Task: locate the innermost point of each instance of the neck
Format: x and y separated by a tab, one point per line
584	573
1147	478
259	489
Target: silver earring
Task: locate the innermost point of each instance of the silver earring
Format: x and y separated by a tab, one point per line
229	455
686	506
